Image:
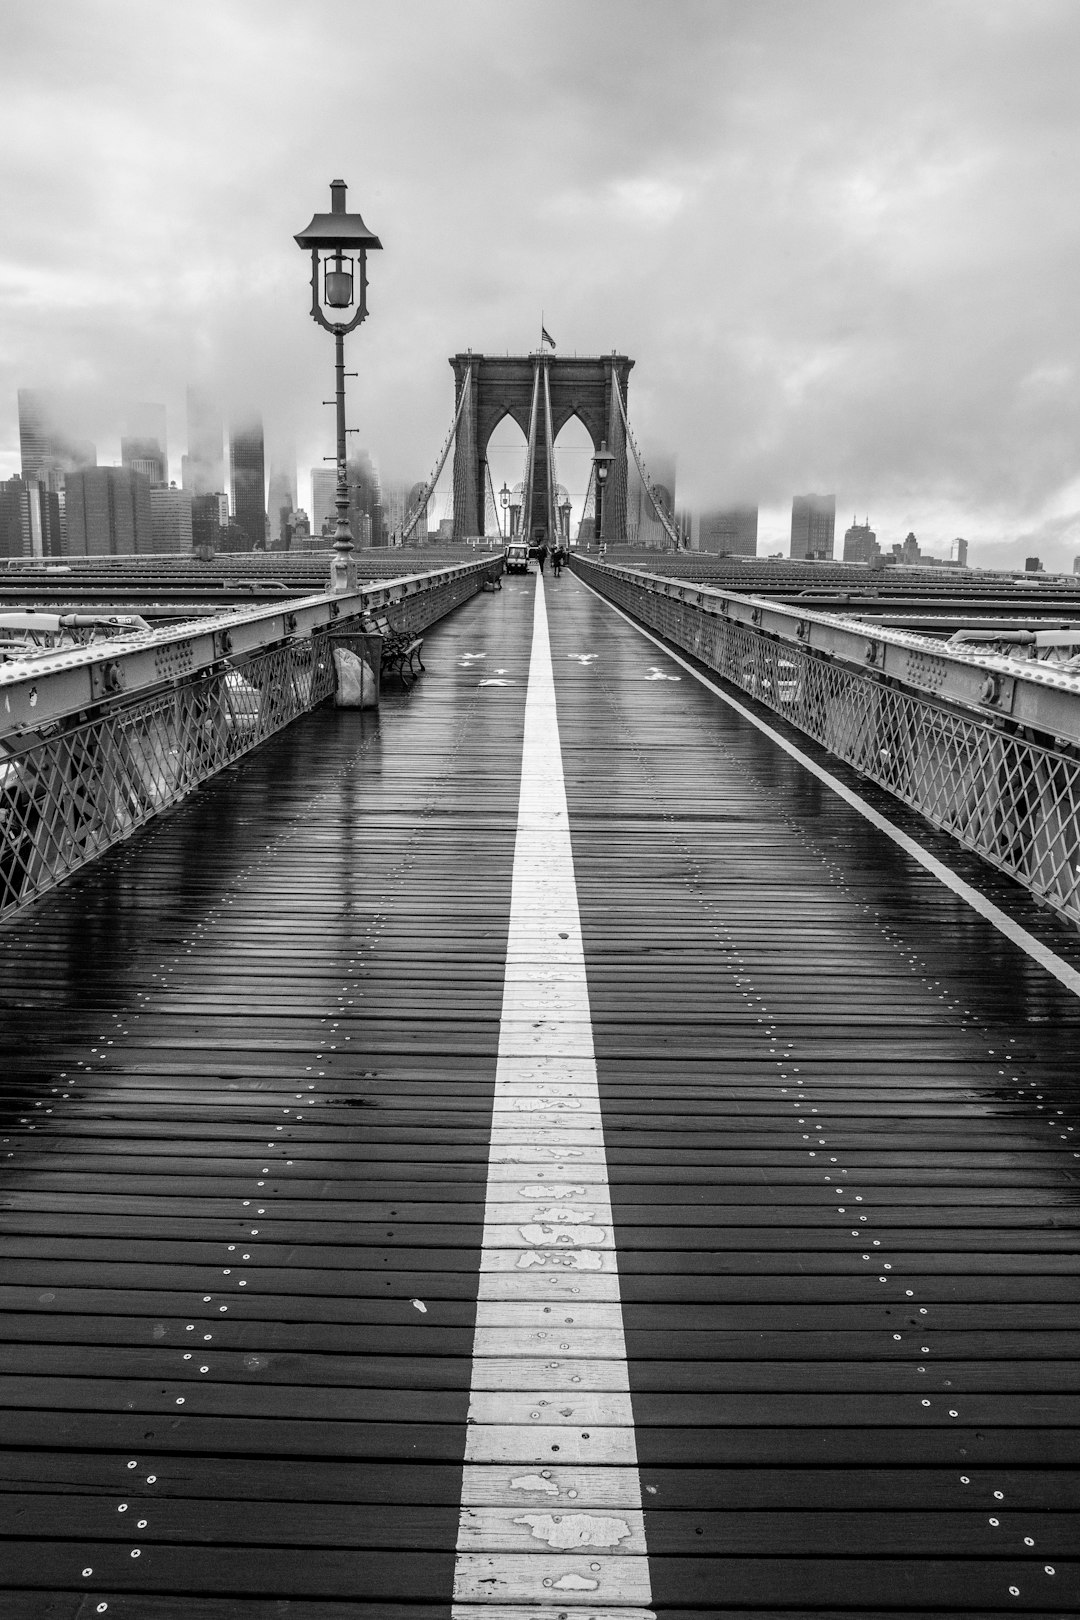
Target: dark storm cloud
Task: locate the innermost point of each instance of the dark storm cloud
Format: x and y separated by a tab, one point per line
836	236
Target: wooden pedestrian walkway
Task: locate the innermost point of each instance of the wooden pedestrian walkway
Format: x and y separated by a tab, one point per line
280	1075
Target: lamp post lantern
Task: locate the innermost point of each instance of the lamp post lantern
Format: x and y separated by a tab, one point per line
602	460
339	244
504	498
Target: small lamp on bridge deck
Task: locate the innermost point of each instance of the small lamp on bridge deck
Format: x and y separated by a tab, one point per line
504	497
343	241
602	460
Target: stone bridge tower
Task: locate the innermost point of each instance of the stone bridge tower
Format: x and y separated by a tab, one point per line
503	386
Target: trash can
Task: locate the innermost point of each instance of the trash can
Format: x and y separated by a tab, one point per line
357	660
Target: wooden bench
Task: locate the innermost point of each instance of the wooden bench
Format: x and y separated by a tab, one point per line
398	649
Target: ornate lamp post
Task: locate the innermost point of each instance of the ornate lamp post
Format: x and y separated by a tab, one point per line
342	241
602	460
504	499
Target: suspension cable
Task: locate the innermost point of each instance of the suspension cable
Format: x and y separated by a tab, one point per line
530	461
421	505
665	521
590	495
552	488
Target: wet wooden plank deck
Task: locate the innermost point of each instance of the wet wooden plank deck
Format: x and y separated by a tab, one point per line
249	1064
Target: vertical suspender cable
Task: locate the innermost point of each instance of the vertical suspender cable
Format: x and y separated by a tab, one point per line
552	494
588	511
530	460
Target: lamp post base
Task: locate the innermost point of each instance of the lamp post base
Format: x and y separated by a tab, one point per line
342	572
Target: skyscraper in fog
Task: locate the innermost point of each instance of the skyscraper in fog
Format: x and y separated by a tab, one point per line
144	448
643	527
398	502
38	439
203	468
282	496
144	456
366	519
323	492
660	465
248	478
733	529
48	442
813	525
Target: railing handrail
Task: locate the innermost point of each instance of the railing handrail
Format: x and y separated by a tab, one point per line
1028	694
48	686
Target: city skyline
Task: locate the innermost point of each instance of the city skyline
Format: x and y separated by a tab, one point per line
51	420
206	431
736	528
741	527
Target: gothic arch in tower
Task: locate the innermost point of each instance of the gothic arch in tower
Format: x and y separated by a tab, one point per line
505	385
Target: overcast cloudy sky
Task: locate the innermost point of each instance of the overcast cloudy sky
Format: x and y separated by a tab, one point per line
839	237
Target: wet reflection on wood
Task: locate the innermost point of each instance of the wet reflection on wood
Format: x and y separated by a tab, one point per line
248	1068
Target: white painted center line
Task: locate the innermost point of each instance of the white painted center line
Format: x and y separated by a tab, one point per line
551	1499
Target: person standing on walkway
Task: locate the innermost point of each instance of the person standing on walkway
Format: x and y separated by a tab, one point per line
557	561
541	554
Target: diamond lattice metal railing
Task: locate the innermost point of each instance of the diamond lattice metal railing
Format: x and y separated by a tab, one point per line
65	798
1006	789
95	743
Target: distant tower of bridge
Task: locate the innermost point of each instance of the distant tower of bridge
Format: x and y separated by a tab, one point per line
541	392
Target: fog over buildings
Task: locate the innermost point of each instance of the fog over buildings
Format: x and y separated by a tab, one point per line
281	499
835	237
204	463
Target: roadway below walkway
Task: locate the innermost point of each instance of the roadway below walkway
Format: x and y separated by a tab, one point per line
793	1127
